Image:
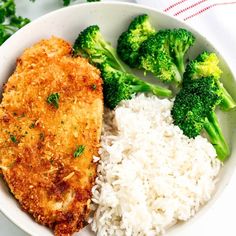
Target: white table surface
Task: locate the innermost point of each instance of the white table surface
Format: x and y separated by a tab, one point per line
220	220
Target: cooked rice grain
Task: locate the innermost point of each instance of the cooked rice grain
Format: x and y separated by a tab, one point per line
150	175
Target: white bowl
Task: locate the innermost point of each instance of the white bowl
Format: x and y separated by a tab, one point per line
113	18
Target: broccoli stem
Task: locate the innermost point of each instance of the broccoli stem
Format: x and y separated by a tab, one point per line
6	4
142	86
180	63
216	137
12	29
160	91
227	103
111	53
178	75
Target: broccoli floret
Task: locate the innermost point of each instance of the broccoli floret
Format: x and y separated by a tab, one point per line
164	52
187	113
118	83
91	44
206	64
154	57
161	53
206	88
130	41
180	40
194	111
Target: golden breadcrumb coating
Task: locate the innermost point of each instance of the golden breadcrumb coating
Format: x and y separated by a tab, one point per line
38	141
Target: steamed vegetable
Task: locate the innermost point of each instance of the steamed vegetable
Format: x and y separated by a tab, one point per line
161	53
118	83
206	64
194	111
91	44
130	41
195	104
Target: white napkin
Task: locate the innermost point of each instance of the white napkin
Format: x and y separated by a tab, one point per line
215	19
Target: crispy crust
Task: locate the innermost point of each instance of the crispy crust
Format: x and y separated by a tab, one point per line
37	140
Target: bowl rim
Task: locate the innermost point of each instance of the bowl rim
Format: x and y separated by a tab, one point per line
51	14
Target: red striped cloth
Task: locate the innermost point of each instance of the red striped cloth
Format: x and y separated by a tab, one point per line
186	9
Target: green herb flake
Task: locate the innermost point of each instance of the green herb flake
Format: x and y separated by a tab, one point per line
41	136
51	161
53	99
93	86
79	151
32	126
13	138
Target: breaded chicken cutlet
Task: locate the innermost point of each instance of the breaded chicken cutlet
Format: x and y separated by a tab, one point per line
50	122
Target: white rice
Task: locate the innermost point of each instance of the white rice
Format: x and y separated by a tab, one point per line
150	175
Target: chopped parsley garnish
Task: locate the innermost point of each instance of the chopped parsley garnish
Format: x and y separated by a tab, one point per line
9	22
94	86
41	136
13	138
53	99
32	126
79	151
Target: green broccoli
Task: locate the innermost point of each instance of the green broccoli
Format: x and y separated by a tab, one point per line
179	42
154	57
163	54
194	111
118	83
206	64
91	44
130	41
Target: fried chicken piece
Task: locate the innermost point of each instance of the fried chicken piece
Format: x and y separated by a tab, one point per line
50	122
